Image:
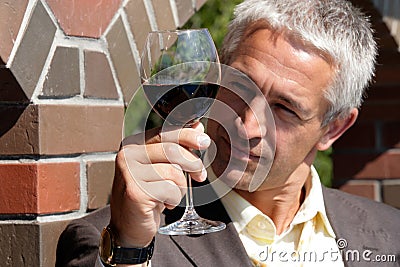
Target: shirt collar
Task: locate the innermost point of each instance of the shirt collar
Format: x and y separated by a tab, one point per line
242	212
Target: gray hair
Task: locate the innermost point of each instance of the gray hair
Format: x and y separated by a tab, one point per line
335	28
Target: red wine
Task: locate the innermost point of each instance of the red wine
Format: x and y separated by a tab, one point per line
181	104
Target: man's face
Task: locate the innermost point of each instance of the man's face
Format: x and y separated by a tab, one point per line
292	82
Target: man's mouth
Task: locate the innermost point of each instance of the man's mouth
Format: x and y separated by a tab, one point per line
241	152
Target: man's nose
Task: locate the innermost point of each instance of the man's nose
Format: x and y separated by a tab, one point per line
252	121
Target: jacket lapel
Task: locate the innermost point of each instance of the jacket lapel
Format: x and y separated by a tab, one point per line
222	248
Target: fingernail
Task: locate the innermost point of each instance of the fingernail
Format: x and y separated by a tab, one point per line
203	140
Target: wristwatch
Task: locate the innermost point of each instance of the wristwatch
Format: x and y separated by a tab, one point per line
112	254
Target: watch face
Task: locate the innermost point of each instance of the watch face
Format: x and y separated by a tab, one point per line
105	247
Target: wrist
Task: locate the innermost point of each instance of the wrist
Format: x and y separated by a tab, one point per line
123	240
113	254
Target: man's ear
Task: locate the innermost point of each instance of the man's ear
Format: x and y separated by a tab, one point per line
335	129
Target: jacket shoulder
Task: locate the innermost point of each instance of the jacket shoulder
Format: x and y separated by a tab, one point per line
364	223
339	200
78	243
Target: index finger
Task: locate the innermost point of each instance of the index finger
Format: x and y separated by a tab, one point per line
192	137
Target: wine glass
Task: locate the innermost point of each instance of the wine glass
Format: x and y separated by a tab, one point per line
180	74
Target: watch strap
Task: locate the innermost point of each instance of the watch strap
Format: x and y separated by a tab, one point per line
123	255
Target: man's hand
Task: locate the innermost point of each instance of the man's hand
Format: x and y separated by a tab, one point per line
149	177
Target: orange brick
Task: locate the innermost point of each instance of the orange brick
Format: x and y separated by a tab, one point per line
58	187
39	188
18	188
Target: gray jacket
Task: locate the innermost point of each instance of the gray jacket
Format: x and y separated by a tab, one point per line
370	229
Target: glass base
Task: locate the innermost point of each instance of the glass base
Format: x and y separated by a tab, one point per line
192	224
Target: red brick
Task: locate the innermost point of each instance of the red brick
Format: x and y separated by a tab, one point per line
58	187
367	166
368	189
18	190
11	15
39	188
360	135
88	18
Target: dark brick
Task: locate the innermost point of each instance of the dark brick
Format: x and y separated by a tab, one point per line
100	176
63	78
33	50
123	60
138	21
391	194
367	165
19	129
99	82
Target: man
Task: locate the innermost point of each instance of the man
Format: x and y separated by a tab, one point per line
311	60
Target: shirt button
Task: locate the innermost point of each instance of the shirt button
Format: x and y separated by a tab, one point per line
261	225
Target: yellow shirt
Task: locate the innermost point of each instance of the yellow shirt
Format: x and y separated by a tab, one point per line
308	241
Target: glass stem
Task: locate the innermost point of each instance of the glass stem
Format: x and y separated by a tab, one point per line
189	193
190	212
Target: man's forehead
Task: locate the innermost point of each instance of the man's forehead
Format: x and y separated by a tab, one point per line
293	37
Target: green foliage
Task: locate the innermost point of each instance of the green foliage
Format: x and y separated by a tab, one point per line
135	113
323	164
214	15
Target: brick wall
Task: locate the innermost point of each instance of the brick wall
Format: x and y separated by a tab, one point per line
66	70
367	158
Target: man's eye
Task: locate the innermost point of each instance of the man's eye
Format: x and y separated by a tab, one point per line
285	109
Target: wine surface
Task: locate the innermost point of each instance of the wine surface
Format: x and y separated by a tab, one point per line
181	104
